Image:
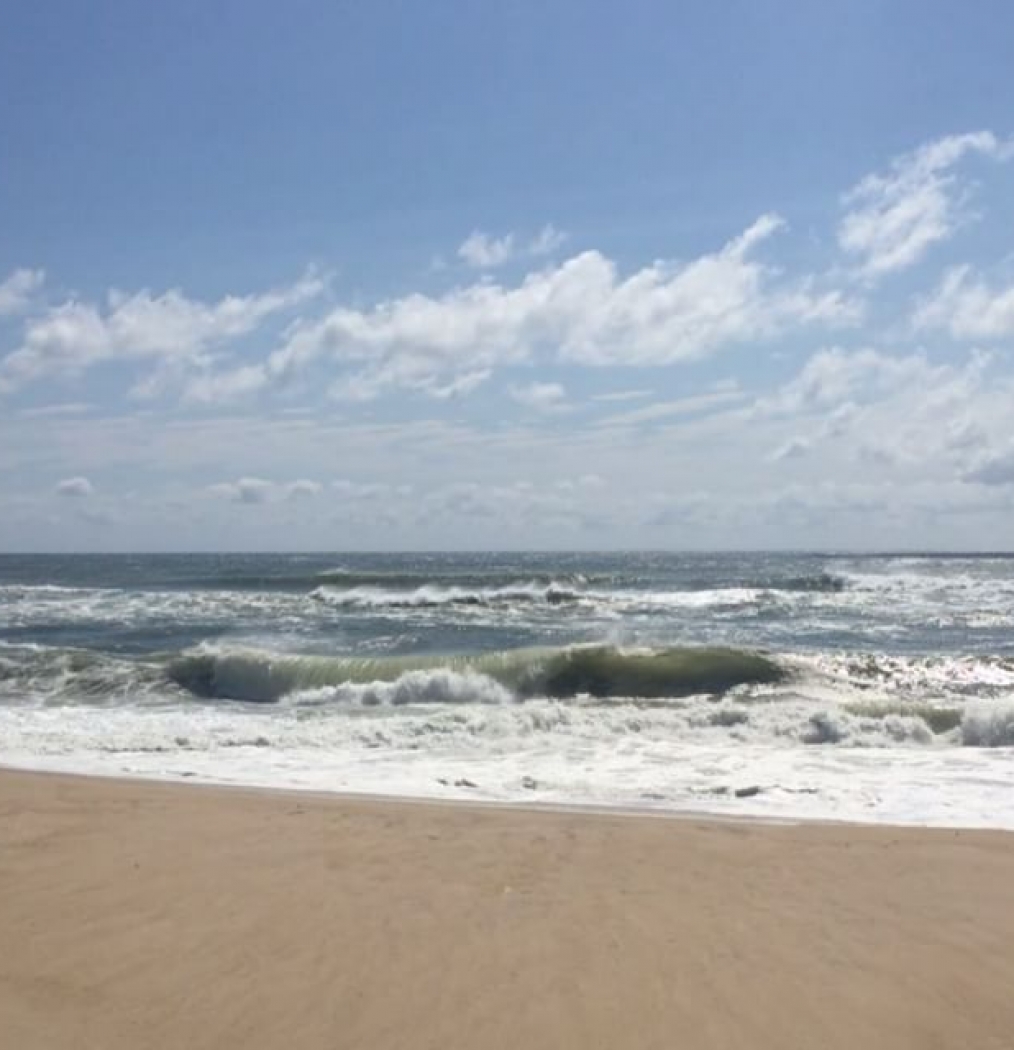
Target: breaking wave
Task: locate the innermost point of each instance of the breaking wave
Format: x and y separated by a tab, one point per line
406	580
585	693
76	676
434	595
371	591
599	671
988	725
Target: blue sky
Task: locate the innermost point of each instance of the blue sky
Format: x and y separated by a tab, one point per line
392	275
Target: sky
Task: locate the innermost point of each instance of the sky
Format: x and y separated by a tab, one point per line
463	275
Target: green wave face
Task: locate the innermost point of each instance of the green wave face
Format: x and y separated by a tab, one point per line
609	672
599	671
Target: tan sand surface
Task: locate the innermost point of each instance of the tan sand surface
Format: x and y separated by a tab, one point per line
140	915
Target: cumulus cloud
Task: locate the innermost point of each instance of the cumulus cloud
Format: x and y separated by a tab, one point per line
581	311
831	377
73	336
211	388
253	490
483	252
75	488
967	307
896	216
18	291
895	435
901	414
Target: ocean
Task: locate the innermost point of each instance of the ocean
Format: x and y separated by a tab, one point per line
787	686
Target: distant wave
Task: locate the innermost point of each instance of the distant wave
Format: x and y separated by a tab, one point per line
432	595
491	578
508	582
560	591
396	579
820	582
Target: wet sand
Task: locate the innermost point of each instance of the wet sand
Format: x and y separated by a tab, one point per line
142	915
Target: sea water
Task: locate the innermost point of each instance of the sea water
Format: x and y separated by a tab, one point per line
844	687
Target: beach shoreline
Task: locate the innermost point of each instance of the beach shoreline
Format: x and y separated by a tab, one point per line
536	806
165	914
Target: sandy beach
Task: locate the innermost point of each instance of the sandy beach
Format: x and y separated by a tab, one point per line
155	915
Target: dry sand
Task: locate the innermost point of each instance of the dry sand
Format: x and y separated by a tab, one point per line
141	915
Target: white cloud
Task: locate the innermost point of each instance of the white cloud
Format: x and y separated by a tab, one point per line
935	427
484	252
967	308
543	397
831	377
17	292
895	217
547	240
244	490
75	488
667	313
71	337
222	387
260	490
862	444
357	491
460	386
901	417
581	311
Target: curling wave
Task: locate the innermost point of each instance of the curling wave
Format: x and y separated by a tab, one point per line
599	671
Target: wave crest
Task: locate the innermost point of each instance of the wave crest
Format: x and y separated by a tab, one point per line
435	595
599	671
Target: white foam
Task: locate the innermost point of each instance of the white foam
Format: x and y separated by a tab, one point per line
988	725
922	678
440	685
370	596
27	607
688	755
